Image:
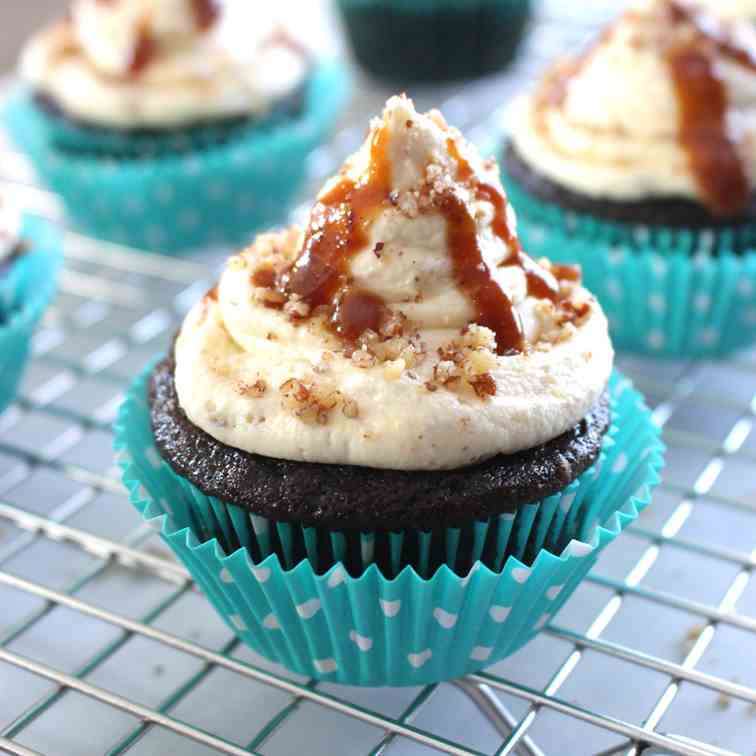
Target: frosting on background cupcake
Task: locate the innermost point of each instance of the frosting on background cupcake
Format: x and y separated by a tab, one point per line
662	105
404	328
735	9
163	63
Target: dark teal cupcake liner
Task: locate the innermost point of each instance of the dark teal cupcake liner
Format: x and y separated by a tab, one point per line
365	626
434	40
172	203
26	290
680	293
71	136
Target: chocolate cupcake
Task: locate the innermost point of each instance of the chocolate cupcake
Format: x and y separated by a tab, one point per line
642	152
30	256
398	386
190	118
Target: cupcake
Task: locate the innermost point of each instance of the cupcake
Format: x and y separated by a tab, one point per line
172	125
30	256
390	444
637	160
434	40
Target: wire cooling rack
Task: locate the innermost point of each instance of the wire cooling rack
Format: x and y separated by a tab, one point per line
106	647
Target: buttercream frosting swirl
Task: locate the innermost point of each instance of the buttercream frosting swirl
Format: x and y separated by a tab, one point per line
163	63
403	328
618	121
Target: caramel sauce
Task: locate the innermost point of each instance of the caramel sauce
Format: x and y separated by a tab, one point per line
206	13
338	229
358	311
712	152
493	306
143	53
702	102
714	31
495	310
563	272
264	277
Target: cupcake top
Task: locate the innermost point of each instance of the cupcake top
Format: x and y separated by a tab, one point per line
10	231
662	105
403	328
163	63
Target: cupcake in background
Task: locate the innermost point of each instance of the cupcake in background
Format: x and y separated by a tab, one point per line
30	256
390	444
637	159
434	40
172	125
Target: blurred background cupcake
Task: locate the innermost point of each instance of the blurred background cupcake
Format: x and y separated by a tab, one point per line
434	40
169	125
30	256
390	445
637	159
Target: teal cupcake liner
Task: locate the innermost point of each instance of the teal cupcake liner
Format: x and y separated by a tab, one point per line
549	523
434	40
372	628
176	202
26	290
68	135
666	293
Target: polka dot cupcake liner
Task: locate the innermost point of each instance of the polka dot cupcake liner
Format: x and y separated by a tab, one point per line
173	202
667	293
26	290
68	135
413	625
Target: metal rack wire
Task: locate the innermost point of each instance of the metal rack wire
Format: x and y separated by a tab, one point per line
106	646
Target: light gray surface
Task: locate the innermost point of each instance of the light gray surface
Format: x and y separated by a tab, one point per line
651	593
18	20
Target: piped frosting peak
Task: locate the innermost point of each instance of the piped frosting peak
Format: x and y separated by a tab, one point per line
403	327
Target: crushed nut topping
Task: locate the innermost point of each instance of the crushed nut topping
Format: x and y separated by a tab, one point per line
256	389
313	403
465	364
237	262
295	307
363	359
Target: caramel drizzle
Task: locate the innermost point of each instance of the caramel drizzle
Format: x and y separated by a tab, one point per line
702	102
703	131
712	153
206	13
494	308
338	229
144	51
